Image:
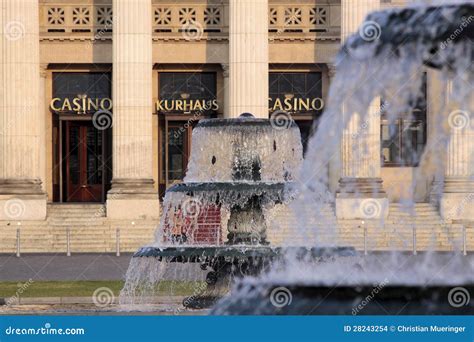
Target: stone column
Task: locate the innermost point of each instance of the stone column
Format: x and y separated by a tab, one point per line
457	202
226	105
360	194
21	193
248	57
132	194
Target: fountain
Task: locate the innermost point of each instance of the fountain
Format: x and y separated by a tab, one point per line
260	173
241	186
407	41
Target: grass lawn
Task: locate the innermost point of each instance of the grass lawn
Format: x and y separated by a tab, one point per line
85	288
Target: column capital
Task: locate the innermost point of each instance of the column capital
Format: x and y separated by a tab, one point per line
331	69
225	69
43	68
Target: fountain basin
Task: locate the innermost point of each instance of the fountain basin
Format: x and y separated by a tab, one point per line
300	299
234	193
204	253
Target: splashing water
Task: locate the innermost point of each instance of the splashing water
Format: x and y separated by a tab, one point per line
236	174
389	67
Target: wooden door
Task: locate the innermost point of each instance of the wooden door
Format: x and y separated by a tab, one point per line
84	159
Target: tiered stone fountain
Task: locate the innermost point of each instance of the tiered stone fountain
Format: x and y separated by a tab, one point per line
240	167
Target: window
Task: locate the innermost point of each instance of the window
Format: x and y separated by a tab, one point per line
403	141
187	91
74	87
296	92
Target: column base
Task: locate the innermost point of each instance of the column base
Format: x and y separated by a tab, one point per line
22	200
361	199
133	199
457	202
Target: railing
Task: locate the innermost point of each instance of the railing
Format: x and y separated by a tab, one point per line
197	19
299	18
201	18
75	16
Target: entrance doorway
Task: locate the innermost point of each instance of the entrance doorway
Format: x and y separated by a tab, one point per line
85	171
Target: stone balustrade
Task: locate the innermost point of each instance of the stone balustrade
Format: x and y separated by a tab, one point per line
207	20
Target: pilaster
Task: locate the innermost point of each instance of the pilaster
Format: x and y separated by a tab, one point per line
248	57
457	202
21	193
360	194
132	194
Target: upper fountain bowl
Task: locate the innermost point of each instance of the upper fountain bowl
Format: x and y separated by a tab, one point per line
261	150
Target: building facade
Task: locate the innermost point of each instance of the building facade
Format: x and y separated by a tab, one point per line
99	98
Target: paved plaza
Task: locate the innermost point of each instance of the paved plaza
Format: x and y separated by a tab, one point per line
42	267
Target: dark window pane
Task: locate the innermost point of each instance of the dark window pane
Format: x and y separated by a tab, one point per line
300	85
70	85
74	155
94	156
285	85
390	143
187	86
405	146
175	154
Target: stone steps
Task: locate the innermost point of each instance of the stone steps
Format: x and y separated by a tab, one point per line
99	237
392	233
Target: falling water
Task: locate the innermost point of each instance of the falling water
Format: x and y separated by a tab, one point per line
236	174
389	65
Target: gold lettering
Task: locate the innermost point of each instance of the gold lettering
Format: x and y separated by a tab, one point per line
179	105
92	104
287	102
169	107
198	105
187	106
159	105
66	105
277	104
303	103
77	105
106	104
215	105
317	100
84	101
53	106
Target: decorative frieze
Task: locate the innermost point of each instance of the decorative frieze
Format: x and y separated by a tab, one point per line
199	20
75	17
